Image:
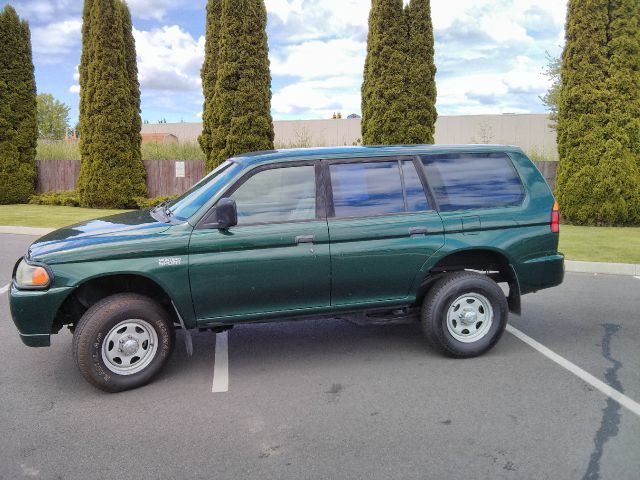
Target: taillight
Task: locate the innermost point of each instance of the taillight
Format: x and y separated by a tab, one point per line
555	218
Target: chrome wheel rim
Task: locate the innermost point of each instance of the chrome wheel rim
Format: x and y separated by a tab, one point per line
129	347
469	317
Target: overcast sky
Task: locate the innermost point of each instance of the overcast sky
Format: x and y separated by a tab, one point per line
490	54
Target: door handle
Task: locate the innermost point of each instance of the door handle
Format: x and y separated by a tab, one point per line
305	239
418	231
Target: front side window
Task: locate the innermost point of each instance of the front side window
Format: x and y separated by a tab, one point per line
285	194
365	189
464	181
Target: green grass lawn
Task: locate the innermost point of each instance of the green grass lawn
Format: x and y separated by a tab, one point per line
600	244
596	244
48	216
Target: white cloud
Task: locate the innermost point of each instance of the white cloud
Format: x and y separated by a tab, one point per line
51	41
45	11
169	58
317	98
318	59
74	88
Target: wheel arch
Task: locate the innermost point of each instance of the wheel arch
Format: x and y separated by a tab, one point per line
93	289
494	262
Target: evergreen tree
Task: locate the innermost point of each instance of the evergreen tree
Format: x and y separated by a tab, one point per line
242	95
85	60
384	88
208	73
111	173
18	111
421	101
134	92
598	175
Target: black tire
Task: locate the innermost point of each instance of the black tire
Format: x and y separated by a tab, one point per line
94	326
441	297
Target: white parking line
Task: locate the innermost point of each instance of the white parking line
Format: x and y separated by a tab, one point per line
638	277
621	398
221	366
5	288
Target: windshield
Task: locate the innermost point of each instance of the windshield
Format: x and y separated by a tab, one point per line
190	202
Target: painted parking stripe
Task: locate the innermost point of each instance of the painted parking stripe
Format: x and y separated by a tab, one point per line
638	277
5	288
621	398
221	366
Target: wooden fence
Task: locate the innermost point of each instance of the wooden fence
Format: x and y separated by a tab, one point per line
164	177
168	177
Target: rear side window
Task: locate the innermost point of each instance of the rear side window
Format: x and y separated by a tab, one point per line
473	180
416	198
366	189
363	189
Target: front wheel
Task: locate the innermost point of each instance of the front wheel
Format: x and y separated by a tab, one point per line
464	314
122	342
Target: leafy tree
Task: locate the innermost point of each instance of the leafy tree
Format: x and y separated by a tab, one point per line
242	95
384	88
421	101
111	173
208	73
18	111
598	131
53	117
551	99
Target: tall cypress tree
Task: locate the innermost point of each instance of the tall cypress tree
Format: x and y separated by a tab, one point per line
85	60
131	63
384	89
598	175
421	101
242	95
18	111
111	173
209	74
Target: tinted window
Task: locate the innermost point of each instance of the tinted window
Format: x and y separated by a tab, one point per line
277	195
366	189
416	198
466	180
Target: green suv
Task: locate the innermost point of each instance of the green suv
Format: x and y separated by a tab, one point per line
380	233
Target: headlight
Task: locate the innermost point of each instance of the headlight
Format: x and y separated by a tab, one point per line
31	275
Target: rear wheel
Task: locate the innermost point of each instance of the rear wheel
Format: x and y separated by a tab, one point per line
464	314
123	341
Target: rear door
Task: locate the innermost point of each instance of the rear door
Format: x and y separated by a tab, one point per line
276	258
382	227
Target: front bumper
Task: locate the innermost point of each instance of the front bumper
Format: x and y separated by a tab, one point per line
34	311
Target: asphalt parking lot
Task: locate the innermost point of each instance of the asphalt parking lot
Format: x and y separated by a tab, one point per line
333	400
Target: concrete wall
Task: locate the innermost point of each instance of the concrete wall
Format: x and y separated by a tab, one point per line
531	132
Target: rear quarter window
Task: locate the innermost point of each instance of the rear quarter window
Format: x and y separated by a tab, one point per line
463	181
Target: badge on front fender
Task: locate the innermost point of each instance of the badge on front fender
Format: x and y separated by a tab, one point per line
170	261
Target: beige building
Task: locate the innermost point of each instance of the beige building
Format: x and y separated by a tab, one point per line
531	132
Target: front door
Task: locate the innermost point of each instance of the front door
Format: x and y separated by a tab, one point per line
276	259
382	227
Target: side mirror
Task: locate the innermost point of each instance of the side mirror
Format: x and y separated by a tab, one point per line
224	216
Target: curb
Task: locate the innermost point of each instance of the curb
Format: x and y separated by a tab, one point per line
629	269
573	266
38	232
